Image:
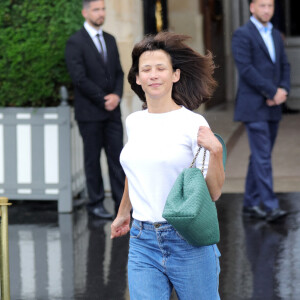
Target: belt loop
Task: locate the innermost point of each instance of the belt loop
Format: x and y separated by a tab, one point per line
141	224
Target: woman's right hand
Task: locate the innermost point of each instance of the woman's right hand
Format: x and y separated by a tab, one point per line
120	226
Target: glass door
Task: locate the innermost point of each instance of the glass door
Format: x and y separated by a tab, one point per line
290	26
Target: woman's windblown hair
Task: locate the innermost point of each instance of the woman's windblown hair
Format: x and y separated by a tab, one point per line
196	84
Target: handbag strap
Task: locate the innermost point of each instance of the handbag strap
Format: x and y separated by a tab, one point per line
195	157
204	154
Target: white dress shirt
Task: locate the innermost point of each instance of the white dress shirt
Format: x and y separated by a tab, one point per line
266	34
93	34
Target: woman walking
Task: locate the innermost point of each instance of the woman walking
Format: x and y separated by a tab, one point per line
172	80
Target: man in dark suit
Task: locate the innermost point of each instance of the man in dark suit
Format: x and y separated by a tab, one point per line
93	62
264	82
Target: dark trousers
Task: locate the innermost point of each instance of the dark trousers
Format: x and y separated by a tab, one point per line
259	181
106	134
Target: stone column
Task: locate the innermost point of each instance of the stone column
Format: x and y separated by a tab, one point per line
125	21
185	18
235	15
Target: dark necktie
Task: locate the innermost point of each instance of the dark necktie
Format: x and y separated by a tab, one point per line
101	46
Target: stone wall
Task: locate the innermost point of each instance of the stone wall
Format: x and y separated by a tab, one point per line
185	17
124	20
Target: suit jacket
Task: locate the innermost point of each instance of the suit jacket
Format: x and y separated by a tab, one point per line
259	77
91	77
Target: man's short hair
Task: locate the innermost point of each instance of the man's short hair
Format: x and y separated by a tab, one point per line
86	3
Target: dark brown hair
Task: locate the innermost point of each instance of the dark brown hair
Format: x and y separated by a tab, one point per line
196	83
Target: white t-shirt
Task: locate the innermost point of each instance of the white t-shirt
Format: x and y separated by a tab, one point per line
159	147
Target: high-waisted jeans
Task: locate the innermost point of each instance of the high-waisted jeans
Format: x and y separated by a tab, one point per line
160	259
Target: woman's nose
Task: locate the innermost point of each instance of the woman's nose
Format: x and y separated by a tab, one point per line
153	74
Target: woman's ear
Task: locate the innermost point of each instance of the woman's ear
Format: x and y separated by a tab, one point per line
137	80
176	75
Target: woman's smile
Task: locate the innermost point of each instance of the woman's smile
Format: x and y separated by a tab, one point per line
156	75
155	84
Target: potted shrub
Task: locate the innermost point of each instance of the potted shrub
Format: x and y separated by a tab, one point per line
40	148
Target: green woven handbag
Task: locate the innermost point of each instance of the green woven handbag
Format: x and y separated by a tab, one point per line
189	207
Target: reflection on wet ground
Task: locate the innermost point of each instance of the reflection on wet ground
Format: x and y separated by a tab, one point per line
70	256
259	260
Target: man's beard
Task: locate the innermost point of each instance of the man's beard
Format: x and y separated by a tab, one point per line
263	21
99	23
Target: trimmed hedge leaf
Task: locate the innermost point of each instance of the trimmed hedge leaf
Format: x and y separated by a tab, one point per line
33	36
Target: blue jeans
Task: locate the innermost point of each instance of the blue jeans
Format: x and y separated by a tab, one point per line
160	259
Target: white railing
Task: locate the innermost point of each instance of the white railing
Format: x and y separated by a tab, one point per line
40	155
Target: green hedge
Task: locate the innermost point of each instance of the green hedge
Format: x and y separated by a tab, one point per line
33	34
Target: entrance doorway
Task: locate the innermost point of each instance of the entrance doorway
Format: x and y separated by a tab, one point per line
155	16
291	30
214	42
285	20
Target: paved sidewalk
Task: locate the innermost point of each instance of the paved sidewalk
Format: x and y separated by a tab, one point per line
286	153
71	256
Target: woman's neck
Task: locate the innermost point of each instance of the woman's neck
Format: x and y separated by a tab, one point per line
159	106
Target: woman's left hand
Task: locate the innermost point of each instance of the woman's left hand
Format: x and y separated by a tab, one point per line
215	174
207	139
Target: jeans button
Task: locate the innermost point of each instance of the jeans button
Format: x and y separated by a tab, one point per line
157	225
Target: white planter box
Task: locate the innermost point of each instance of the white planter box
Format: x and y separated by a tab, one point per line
41	155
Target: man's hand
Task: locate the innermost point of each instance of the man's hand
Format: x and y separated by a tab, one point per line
111	101
279	98
270	102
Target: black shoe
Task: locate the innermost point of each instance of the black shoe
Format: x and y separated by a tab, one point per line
254	212
276	214
100	212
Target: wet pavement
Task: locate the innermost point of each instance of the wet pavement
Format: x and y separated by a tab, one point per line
260	260
70	256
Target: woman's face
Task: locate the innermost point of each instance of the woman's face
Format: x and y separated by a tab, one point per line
156	75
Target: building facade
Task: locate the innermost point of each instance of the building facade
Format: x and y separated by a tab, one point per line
210	23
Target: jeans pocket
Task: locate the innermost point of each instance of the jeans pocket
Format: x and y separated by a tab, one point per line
135	231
